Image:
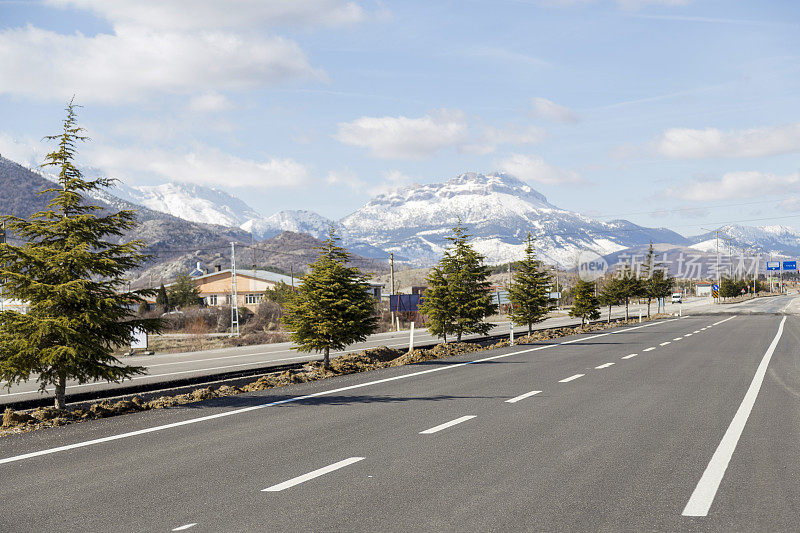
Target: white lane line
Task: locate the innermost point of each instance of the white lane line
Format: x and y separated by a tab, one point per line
696	331
242	410
311	475
721	321
688	334
576	376
664	343
523	396
677	338
446	425
185	527
703	496
650	349
629	355
604	366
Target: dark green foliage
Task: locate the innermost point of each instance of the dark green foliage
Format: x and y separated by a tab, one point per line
279	294
656	281
73	279
729	288
530	290
162	299
611	294
457	298
332	308
630	286
184	293
585	305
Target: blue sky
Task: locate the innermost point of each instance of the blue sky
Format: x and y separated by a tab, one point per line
677	113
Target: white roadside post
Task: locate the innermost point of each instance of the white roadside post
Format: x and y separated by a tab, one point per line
640	313
398	324
512	333
411	339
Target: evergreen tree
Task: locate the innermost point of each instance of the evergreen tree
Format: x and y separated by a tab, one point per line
184	293
611	294
585	305
660	285
279	294
162	299
647	273
458	297
630	286
72	277
530	290
333	307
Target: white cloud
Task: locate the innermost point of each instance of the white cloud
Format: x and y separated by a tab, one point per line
203	166
207	14
738	185
403	137
790	204
210	102
23	150
687	143
347	178
393	180
133	61
549	110
492	137
534	168
639	4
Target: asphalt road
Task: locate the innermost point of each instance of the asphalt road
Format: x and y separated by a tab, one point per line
166	368
699	431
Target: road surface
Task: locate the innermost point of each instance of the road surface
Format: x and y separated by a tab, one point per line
685	424
166	368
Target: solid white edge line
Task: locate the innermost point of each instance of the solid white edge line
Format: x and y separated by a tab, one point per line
190	421
629	356
185	527
515	399
576	376
446	425
313	474
706	490
603	366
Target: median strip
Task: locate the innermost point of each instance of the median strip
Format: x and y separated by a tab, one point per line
313	474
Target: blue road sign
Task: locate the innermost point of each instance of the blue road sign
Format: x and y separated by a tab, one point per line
715	287
773	265
790	265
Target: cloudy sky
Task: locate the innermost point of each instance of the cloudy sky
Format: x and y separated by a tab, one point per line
678	113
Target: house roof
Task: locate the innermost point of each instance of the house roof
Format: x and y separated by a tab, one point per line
266	275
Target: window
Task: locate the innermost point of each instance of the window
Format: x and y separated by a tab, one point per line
211	299
253	298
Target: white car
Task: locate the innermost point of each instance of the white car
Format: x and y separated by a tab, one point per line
677	297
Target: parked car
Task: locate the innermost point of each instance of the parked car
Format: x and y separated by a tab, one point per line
677	297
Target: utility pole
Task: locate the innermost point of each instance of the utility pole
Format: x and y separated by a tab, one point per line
730	257
291	271
234	294
391	267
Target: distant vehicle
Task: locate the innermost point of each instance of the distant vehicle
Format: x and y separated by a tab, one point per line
677	297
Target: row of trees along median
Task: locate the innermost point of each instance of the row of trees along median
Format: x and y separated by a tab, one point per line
71	272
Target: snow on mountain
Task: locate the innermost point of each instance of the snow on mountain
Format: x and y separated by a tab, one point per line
498	210
298	221
775	239
190	202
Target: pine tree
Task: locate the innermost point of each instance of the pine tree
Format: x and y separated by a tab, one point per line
630	286
458	297
162	299
585	305
611	294
184	293
530	290
72	277
333	307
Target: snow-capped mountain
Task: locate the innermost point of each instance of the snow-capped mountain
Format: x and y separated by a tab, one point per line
499	210
190	202
298	221
777	240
